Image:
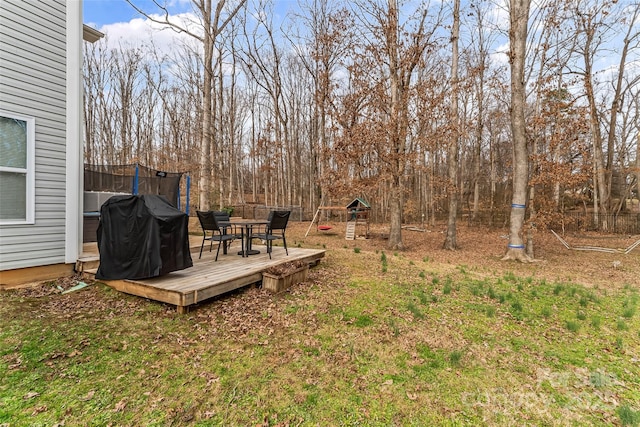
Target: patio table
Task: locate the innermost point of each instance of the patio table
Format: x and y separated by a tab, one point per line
246	227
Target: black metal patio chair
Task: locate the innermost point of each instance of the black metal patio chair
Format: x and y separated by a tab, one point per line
218	234
224	223
275	229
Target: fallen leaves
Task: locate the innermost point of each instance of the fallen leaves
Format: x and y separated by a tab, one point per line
51	287
74	353
31	395
285	268
88	396
39	409
120	406
14	361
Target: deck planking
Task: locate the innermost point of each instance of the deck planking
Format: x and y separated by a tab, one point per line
209	278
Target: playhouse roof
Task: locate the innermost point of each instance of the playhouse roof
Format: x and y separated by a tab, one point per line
358	203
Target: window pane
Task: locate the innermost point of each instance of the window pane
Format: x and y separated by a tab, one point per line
13	196
13	143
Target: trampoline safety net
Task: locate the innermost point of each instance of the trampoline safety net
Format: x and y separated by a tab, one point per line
122	179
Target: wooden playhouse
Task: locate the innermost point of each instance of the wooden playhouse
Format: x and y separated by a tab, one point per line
357	219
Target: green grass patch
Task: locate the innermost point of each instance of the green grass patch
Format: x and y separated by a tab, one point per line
629	312
628	416
596	322
413	309
422	296
455	357
447	288
363	321
621	325
490	311
572	325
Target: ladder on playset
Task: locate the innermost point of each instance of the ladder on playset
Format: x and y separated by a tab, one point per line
351	230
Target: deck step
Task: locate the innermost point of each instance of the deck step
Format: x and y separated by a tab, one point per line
89	274
84	264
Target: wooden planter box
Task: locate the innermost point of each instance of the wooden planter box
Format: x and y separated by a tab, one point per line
279	283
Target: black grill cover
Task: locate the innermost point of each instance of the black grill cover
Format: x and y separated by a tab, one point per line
140	237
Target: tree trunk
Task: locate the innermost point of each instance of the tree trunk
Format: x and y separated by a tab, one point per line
477	160
395	131
532	209
204	181
395	216
519	15
615	103
599	177
450	242
638	169
493	178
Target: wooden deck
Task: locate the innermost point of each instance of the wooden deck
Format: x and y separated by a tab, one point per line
207	278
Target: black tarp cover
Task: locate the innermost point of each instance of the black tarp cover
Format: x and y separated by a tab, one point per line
140	237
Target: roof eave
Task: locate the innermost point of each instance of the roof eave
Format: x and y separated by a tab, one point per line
91	35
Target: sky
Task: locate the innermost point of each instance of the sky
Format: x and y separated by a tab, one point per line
123	25
98	13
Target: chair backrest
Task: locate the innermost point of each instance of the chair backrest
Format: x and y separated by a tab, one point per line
221	216
208	221
278	220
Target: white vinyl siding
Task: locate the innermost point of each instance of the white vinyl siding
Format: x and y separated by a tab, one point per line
33	47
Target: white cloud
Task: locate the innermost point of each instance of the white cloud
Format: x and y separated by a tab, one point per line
499	15
500	55
144	33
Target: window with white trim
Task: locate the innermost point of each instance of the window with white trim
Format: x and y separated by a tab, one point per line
17	164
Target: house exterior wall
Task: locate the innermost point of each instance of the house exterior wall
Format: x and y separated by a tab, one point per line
34	46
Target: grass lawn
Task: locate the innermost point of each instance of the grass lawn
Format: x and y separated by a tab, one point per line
373	338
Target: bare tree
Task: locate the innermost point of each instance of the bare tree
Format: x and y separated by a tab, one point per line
481	40
213	22
264	61
629	42
324	40
519	19
450	241
376	120
95	80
